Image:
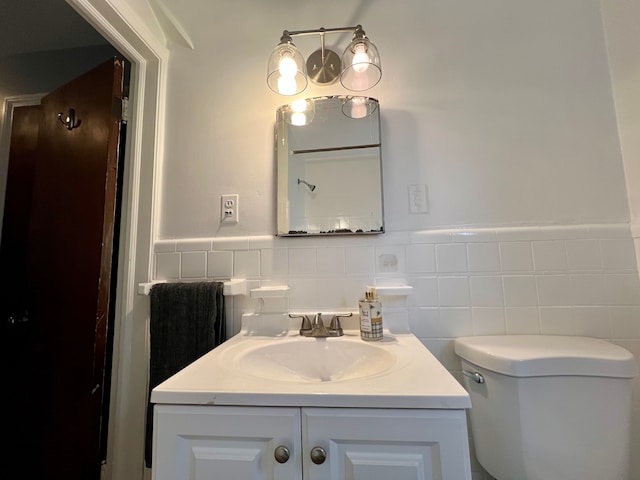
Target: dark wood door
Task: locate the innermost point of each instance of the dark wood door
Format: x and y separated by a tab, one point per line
57	411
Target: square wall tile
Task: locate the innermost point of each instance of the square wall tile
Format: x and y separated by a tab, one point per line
424	322
338	293
488	321
549	255
330	260
421	258
302	261
246	263
522	320
591	321
455	322
425	292
554	290
483	257
274	261
588	290
193	265
516	256
623	289
304	294
220	264
359	260
167	266
486	291
556	321
390	259
441	323
520	291
625	322
396	321
453	291
584	255
618	254
451	258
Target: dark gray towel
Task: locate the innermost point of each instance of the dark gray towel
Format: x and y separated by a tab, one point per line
186	321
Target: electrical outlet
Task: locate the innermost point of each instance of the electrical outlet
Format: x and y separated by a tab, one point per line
229	205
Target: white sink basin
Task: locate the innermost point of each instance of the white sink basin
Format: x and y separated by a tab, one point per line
316	360
268	363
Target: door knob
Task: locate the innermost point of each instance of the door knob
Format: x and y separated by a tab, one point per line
281	454
318	455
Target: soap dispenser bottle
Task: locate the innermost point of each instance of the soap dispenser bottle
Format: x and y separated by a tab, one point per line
370	316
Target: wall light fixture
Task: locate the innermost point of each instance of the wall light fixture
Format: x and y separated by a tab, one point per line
359	68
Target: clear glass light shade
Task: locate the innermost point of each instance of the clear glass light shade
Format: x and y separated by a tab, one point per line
286	72
360	65
359	107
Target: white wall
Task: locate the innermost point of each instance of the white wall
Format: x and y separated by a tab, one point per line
503	108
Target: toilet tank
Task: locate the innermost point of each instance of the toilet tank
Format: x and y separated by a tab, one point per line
550	407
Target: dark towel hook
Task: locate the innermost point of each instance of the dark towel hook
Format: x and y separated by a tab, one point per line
69	120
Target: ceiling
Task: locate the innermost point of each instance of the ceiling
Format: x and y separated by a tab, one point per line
39	25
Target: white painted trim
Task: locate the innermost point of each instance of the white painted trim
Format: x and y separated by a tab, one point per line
126	31
6	121
170	25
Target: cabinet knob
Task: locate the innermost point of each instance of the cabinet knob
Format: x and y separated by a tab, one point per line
281	454
318	455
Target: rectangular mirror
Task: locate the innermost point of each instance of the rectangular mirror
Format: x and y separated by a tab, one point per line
329	169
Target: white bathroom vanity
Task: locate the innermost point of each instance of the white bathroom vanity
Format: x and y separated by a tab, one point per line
271	404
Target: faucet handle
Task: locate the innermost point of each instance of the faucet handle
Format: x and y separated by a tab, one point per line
335	322
306	323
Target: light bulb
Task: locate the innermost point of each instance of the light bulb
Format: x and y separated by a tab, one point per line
361	59
287	85
358	108
298	119
299	105
287	66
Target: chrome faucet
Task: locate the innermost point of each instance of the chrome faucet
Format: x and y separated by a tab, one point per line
316	328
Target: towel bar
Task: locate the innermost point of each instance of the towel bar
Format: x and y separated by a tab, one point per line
233	286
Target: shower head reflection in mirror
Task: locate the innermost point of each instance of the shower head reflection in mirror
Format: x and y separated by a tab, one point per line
311	187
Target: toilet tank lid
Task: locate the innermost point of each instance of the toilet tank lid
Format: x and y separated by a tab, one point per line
547	355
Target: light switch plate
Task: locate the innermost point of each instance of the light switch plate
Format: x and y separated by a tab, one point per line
418	202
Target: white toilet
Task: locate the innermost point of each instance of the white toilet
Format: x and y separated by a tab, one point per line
547	407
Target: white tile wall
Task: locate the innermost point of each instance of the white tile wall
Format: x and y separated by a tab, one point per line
562	280
549	255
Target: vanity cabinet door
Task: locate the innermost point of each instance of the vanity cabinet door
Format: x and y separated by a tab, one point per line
375	444
224	443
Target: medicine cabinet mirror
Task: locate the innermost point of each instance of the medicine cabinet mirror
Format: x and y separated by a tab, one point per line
329	169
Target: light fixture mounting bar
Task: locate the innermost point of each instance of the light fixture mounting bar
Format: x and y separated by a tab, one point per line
321	30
